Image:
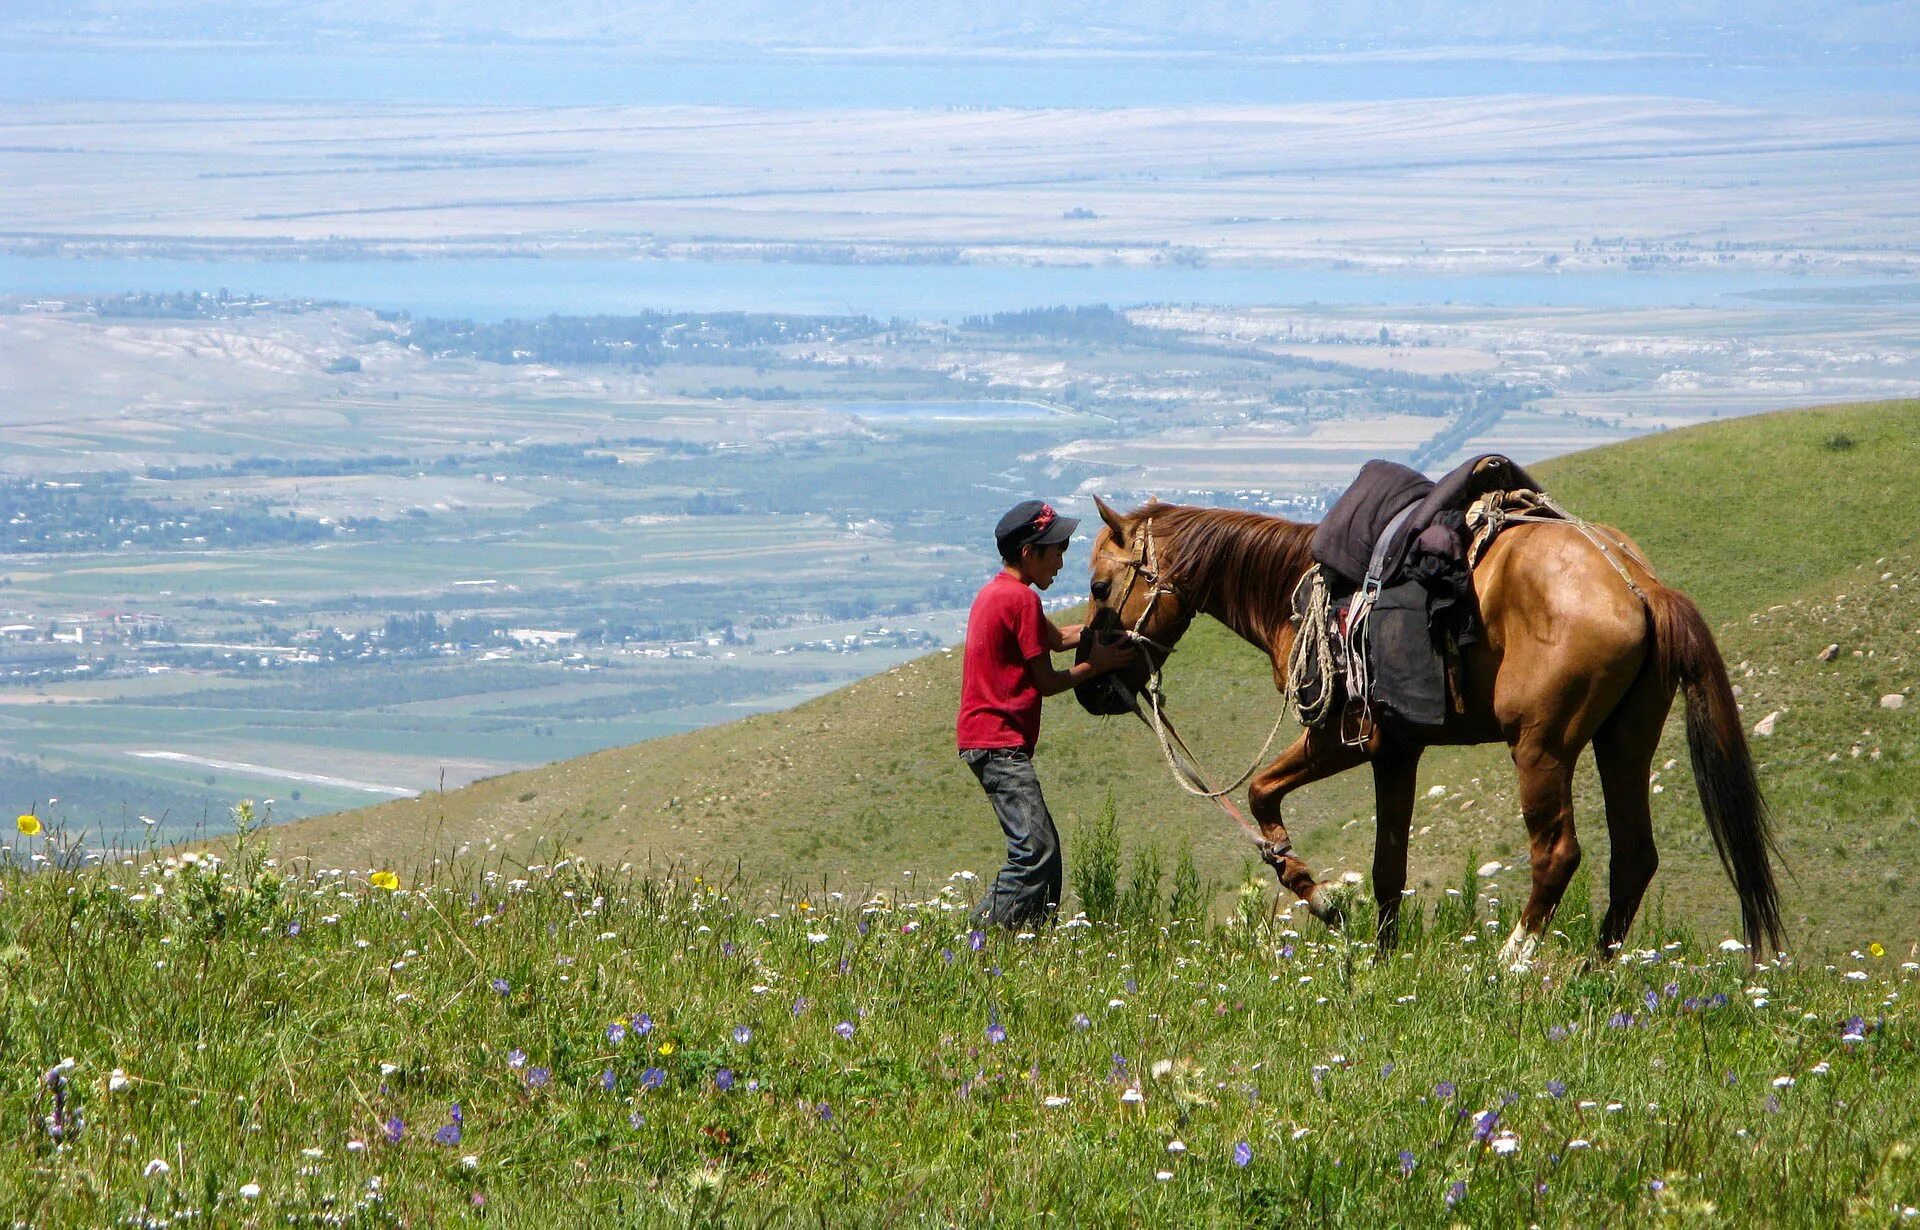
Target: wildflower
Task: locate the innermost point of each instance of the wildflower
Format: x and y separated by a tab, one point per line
1242	1154
1620	1020
249	1191
1876	950
1506	1143
617	1032
395	1129
1732	946
976	940
996	1033
116	1080
1132	1096
1773	1104
1484	1123
516	1058
643	1025
723	1079
158	1166
1652	1000
800	1005
1457	1192
29	825
1176	1147
1557	1088
1443	1090
1162	1176
1407	1163
667	1047
537	1078
293	928
742	1035
825	1113
453	1112
1080	1022
652	1078
501	986
844	1029
1576	1143
1657	1186
384	879
607	1081
1783	1082
449	1135
1557	1034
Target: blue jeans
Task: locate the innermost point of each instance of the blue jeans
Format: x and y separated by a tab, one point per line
1027	890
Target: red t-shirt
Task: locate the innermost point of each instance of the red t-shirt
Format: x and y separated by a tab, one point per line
999	706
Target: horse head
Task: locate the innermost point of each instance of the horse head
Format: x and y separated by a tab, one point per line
1132	596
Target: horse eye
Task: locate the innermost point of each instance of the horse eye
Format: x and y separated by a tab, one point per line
1100	589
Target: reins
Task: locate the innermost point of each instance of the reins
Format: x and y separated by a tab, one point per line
1181	761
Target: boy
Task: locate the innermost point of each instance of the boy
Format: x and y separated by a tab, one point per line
1006	671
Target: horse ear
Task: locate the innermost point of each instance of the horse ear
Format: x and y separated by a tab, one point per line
1116	524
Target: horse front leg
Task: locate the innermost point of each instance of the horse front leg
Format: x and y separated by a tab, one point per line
1314	755
1393	790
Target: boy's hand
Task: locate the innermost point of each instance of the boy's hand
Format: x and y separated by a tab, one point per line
1111	656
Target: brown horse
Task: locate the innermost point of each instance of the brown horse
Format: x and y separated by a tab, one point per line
1572	655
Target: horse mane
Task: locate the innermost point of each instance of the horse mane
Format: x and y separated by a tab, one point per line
1239	566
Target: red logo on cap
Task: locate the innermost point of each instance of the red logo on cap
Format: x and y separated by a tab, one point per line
1043	518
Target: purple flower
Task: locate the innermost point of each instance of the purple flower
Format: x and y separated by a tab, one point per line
1286	952
617	1032
1407	1162
1081	1022
293	928
537	1078
1619	1020
996	1033
976	940
643	1025
1658	1185
1670	990
1242	1154
825	1112
727	948
1133	987
1557	1034
742	1035
1719	1000
608	1080
1484	1126
946	954
395	1129
1444	1090
501	985
1854	1025
1386	1070
1652	1001
845	965
652	1078
516	1058
844	1029
636	1120
453	1112
1557	1088
800	1005
449	1134
1690	1004
1457	1192
1773	1104
723	1079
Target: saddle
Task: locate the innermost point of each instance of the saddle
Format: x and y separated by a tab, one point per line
1382	617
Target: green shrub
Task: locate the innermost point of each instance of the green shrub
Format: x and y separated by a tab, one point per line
1096	864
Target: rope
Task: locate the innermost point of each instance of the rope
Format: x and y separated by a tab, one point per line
1310	662
1587	529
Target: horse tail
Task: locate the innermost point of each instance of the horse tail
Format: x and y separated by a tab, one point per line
1723	772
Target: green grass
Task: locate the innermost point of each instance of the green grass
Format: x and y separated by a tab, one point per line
1748	516
231	1047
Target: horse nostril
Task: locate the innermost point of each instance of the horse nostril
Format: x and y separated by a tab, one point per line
1100	589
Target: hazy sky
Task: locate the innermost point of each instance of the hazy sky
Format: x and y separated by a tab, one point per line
1867	29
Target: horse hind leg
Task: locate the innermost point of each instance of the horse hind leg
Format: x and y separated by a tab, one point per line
1546	800
1623	751
1314	755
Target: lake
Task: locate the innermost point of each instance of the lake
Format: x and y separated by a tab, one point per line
499	288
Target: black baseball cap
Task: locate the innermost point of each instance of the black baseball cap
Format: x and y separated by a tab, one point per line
1033	523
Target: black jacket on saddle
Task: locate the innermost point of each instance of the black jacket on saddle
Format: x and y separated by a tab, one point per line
1425	606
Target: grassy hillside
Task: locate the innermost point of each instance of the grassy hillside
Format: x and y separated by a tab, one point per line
192	1045
1793	531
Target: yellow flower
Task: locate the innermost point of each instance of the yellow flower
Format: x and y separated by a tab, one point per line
666	1048
1876	949
386	880
29	824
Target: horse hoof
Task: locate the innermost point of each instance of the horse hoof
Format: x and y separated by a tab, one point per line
1328	902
